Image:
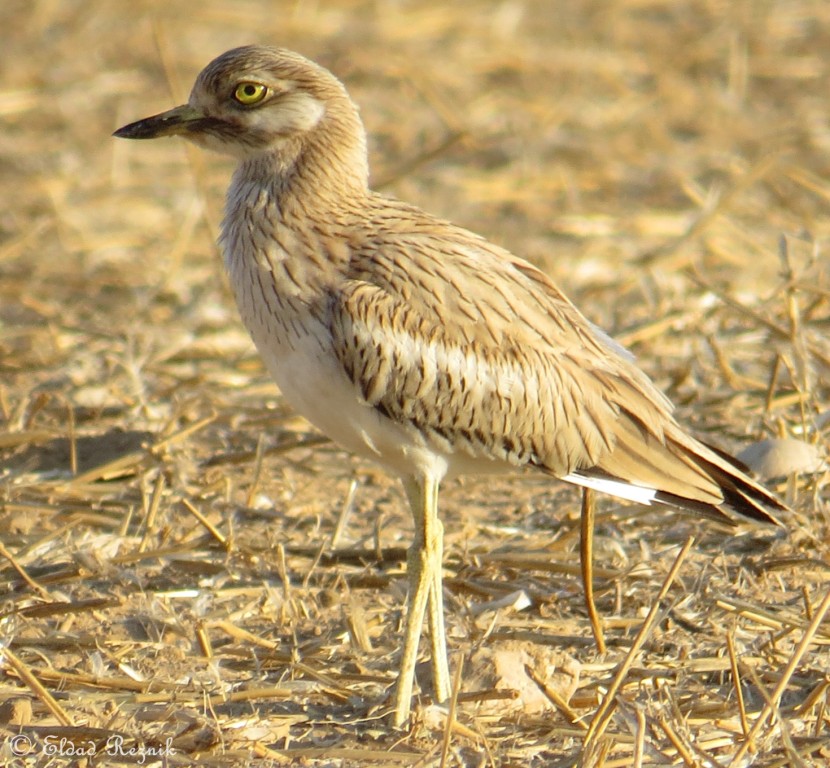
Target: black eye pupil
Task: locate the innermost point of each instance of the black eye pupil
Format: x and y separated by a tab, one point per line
250	90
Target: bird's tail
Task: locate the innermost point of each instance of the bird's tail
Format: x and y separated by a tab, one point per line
678	471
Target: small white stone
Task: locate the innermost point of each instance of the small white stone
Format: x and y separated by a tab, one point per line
781	457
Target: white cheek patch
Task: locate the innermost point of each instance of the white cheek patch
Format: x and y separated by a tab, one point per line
288	115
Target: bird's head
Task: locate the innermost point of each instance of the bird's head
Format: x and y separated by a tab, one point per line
257	100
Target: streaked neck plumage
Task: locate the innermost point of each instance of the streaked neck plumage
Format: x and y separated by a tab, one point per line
282	200
324	167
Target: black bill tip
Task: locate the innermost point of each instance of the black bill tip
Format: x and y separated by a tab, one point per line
171	123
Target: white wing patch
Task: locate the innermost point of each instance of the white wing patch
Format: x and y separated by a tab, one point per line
618	488
503	402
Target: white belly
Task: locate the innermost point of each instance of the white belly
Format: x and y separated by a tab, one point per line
313	383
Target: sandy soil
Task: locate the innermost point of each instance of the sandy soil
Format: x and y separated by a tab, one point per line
190	572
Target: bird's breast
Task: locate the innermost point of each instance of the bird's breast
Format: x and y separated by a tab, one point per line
284	279
286	318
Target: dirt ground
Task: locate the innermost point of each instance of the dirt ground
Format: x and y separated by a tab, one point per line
191	575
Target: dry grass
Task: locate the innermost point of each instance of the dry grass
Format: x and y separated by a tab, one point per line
185	559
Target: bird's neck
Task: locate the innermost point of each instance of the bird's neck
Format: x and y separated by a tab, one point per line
286	216
319	175
290	209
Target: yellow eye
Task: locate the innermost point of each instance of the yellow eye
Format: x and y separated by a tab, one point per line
250	93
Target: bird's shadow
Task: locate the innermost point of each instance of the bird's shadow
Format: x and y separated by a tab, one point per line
55	455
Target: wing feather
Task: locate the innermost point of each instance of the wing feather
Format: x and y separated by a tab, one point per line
480	352
526	380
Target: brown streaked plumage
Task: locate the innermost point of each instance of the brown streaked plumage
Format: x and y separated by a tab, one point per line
417	343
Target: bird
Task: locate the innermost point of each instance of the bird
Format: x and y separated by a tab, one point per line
416	343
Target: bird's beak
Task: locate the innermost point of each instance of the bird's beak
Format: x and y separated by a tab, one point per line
176	121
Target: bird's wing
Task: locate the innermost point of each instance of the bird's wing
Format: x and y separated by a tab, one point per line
475	347
482	353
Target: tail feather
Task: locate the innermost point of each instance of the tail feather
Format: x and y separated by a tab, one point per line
678	471
742	495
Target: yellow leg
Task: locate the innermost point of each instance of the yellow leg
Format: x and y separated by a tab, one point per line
586	556
425	588
437	635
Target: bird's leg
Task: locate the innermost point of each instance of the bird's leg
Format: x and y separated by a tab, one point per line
586	557
437	635
425	586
